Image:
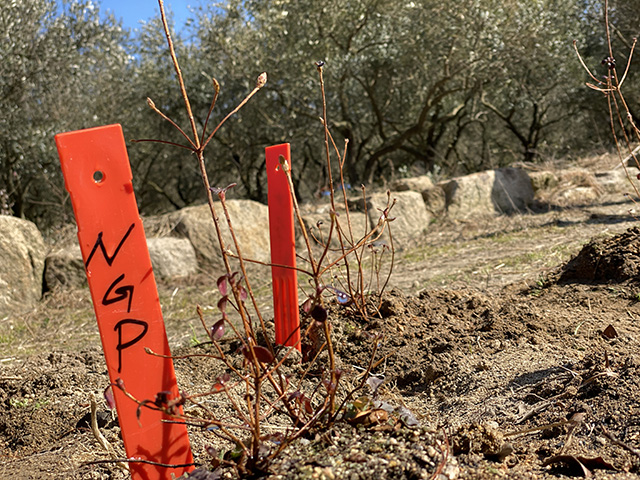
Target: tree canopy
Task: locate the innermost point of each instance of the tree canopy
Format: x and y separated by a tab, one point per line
412	86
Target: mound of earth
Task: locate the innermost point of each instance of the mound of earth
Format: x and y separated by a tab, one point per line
529	383
608	260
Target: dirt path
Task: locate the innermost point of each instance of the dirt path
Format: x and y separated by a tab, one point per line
493	253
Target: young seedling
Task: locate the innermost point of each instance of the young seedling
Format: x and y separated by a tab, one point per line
254	382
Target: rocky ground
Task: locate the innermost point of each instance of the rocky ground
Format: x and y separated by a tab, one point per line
509	351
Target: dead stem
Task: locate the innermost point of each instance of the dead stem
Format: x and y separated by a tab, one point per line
319	67
244	273
612	437
262	80
104	443
176	66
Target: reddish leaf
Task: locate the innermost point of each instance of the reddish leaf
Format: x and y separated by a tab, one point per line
223	285
302	401
329	385
262	354
108	396
162	398
233	280
217	330
295	395
242	293
222	304
319	314
306	403
306	306
610	332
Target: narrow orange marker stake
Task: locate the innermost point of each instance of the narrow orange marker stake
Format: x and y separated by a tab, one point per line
283	249
97	175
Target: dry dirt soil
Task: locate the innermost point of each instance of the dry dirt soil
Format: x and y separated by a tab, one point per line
510	347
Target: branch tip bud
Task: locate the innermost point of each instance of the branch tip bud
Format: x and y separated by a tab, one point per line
262	80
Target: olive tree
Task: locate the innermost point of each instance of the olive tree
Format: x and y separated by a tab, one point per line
59	71
410	84
534	92
399	76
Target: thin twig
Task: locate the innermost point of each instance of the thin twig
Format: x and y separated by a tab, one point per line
104	443
139	460
176	66
620	443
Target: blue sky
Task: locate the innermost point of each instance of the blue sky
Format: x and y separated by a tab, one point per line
132	11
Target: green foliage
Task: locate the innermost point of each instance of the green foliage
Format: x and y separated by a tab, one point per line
54	72
414	86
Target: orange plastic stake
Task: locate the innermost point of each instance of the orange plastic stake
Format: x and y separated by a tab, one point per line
283	249
97	175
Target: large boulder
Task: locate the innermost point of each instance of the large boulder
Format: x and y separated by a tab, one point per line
410	214
250	222
433	195
504	190
575	186
435	200
22	253
64	267
416	184
172	257
618	180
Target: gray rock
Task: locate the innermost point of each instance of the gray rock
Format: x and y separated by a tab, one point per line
544	180
410	214
512	190
577	196
22	253
416	184
250	221
172	257
64	267
616	181
505	190
435	200
575	186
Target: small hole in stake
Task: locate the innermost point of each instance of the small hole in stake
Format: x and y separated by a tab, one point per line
98	176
